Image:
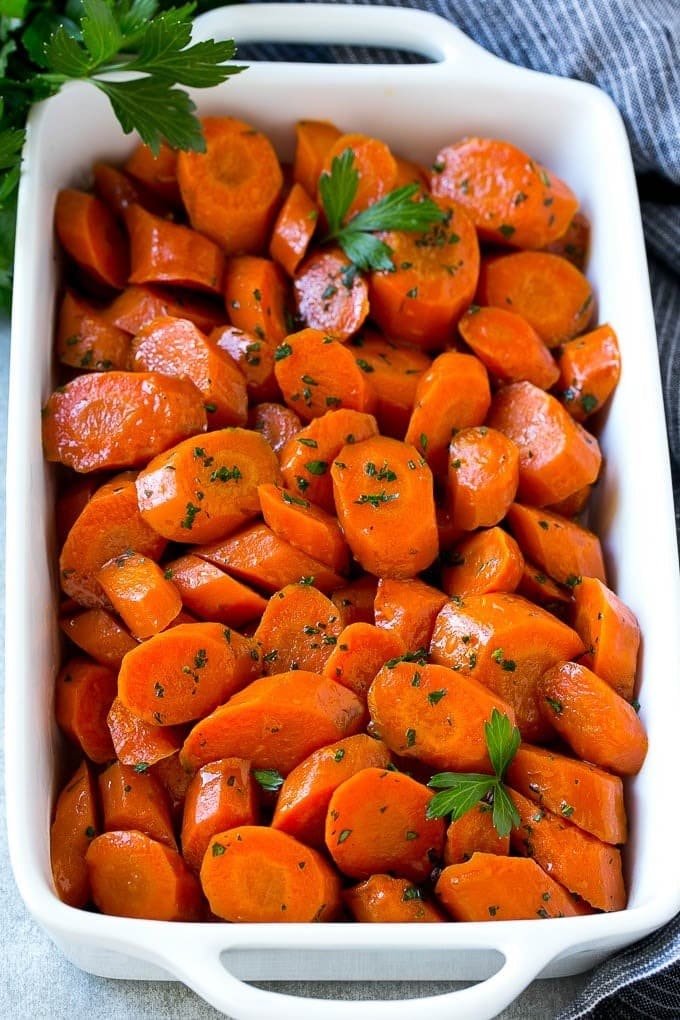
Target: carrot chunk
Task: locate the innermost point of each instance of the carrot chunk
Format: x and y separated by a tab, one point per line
137	743
222	795
212	594
170	253
560	547
298	630
509	346
383	899
305	526
255	294
590	366
132	799
90	234
488	561
409	608
474	832
610	632
317	373
74	827
83	696
139	591
359	652
482	479
330	295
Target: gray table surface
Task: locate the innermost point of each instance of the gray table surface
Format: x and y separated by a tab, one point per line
37	982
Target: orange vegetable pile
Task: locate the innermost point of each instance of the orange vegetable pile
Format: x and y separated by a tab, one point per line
316	525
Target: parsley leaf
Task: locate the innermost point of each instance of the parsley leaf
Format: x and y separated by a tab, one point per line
269	779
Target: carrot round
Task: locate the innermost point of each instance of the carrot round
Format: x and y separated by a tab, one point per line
409	608
316	374
99	634
170	253
145	599
293	229
563	549
488	561
119	419
382	487
330	295
157	173
212	594
374	163
222	795
89	233
383	899
132	799
377	822
83	696
536	586
256	874
71	501
255	294
254	356
360	651
133	875
610	632
474	832
199	491
175	779
574	244
231	192
510	348
137	743
305	526
395	372
74	827
483	475
313	139
298	630
86	340
138	305
572	505
118	190
590	366
596	722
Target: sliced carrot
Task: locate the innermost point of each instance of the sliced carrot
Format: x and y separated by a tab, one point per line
410	608
563	549
474	832
132	799
71	502
185	672
74	827
424	711
377	822
89	233
313	139
256	874
506	643
118	420
293	229
574	243
383	899
100	635
572	505
610	632
200	491
330	295
588	796
137	306
86	340
119	190
395	372
255	294
222	795
449	532
170	253
360	651
275	422
536	586
548	291
140	593
375	165
212	594
453	394
305	526
317	373
158	173
175	779
137	743
254	357
489	560
596	722
298	630
510	348
83	696
133	875
383	488
231	191
590	367
557	456
483	475
356	600
276	722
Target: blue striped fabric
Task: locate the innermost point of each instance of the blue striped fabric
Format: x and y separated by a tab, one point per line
631	49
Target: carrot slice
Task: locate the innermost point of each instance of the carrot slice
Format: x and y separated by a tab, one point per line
383	899
85	339
410	608
165	252
536	586
330	295
137	306
562	548
137	743
610	632
232	190
158	173
100	635
293	229
119	419
360	651
317	373
572	505
305	526
275	423
139	591
474	832
313	139
222	795
395	372
483	475
71	502
119	190
488	561
254	357
574	243
90	234
74	827
356	599
175	779
510	348
132	799
83	696
298	630
590	367
255	294
198	492
212	594
256	874
374	163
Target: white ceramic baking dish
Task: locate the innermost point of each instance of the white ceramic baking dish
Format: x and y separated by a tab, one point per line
574	129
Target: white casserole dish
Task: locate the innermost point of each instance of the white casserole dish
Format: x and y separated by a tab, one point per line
572	128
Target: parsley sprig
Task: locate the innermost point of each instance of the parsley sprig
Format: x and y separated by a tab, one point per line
398	210
461	791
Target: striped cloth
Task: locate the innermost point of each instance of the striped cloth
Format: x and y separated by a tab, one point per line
631	49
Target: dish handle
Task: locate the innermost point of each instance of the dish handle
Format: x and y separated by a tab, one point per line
401	28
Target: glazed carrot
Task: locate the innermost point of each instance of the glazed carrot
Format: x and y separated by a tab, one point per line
536	586
596	722
506	643
510	348
448	531
306	459
330	295
511	198
119	419
433	283
572	505
483	475
361	650
170	253
610	632
383	488
317	373
133	875
136	742
383	899
100	635
212	594
89	233
453	394
185	672
140	593
376	822
258	557
200	491
474	832
305	526
563	549
74	827
222	795
424	711
276	722
409	172
306	792
489	560
255	294
232	191
137	306
108	525
557	456
71	502
275	423
175	779
157	173
574	243
590	367
583	864
375	165
132	799
119	190
313	139
256	874
293	230
254	357
589	797
410	608
489	887
548	291
298	630
395	372
83	695
86	340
